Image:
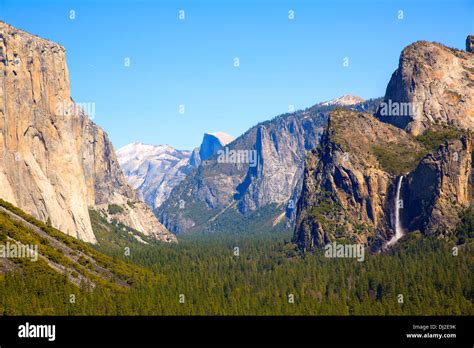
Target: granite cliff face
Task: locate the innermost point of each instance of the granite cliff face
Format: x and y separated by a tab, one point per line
280	148
433	84
439	188
211	143
242	185
55	162
262	169
347	190
350	183
424	143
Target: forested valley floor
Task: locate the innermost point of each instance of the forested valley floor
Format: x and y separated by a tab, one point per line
243	274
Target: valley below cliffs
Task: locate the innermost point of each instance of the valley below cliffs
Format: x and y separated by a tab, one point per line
329	172
245	161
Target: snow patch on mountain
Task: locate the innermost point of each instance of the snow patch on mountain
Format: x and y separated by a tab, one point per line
344	101
153	170
224	138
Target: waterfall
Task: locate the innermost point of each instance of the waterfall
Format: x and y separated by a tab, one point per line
398	225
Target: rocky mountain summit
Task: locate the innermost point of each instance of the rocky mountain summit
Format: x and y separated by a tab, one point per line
433	84
344	100
261	169
350	181
153	171
211	143
55	163
419	143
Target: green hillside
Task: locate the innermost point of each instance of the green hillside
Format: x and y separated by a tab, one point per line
215	280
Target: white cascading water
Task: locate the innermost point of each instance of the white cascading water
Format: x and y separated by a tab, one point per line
398	225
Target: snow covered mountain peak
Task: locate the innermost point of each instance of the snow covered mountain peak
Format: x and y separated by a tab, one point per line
344	100
153	170
224	138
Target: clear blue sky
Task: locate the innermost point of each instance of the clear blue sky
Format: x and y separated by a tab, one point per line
190	62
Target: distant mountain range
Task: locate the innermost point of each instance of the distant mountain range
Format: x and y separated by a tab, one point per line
433	111
330	172
231	190
154	170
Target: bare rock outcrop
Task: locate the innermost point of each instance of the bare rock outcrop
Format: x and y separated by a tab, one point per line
260	171
347	185
433	84
350	182
261	167
55	163
425	136
470	43
439	188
